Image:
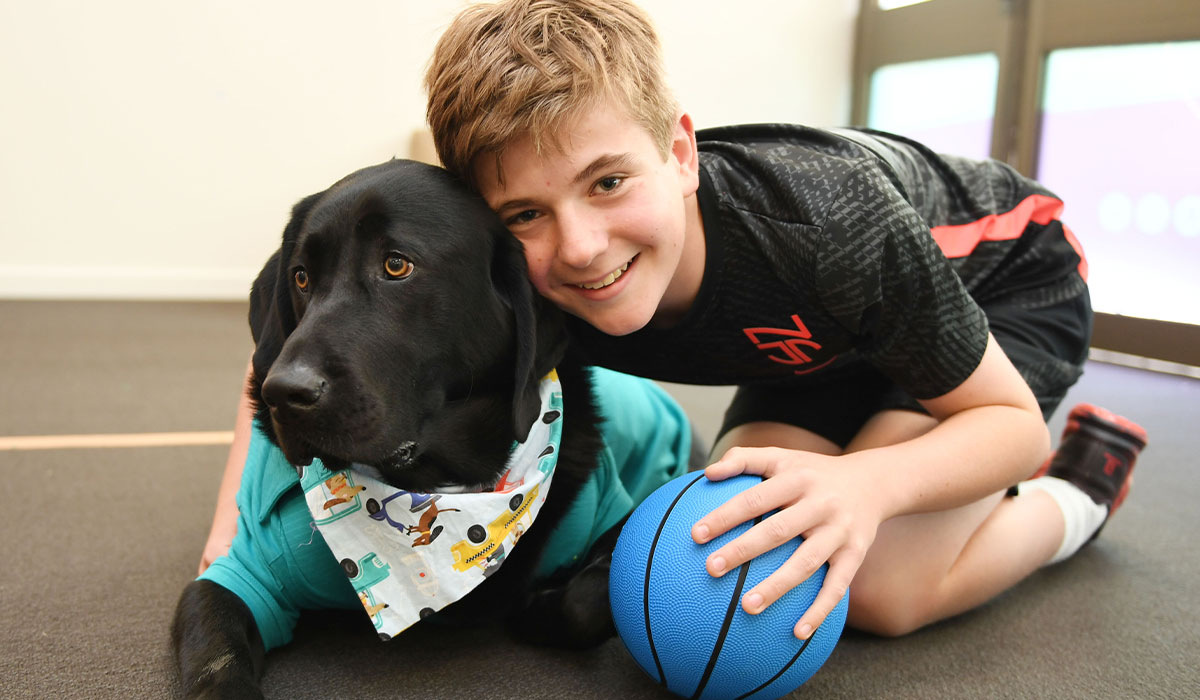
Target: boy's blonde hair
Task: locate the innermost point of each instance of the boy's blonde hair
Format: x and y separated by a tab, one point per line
524	67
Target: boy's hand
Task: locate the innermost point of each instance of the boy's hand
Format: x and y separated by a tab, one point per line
220	538
824	499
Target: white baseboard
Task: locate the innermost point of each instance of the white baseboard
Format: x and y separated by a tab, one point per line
1120	358
140	283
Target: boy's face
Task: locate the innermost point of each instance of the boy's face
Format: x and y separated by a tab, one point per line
604	220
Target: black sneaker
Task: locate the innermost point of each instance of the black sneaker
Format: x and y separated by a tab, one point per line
1097	454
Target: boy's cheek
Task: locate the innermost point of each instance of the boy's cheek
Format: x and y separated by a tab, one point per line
539	279
539	266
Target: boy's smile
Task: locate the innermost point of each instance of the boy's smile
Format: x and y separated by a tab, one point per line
609	278
611	231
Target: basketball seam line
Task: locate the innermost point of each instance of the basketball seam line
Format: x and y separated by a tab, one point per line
743	572
785	666
662	677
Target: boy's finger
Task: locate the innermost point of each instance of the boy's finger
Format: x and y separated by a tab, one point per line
807	558
731	464
743	460
723	469
743	506
837	582
763	537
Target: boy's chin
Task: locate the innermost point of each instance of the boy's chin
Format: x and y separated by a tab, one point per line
617	324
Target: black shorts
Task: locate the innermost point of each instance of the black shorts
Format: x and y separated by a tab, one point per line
1046	340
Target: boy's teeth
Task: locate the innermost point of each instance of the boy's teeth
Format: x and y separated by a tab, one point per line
612	277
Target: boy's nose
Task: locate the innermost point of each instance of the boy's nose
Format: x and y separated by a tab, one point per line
581	240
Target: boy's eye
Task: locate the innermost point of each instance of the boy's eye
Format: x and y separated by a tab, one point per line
523	217
610	183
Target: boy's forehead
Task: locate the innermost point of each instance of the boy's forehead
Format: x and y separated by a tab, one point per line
603	134
519	158
504	173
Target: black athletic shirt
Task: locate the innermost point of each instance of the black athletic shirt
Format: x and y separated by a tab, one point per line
820	257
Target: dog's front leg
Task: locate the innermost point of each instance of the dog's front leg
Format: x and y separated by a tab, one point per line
217	645
576	613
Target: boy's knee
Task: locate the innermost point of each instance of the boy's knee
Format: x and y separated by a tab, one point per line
888	611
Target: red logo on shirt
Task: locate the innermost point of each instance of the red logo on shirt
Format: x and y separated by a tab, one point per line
791	348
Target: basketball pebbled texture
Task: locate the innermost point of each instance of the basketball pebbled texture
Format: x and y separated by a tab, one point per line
672	615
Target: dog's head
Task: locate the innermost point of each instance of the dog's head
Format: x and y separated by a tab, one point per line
396	327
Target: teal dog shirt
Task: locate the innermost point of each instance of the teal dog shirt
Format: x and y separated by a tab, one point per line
280	564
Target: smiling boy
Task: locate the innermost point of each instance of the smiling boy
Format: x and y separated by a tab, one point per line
900	324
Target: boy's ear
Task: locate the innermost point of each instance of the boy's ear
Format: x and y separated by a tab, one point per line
686	153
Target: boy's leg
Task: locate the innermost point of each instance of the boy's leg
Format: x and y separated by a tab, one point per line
772	434
928	566
924	568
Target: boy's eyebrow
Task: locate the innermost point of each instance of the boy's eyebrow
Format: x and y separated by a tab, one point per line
515	203
602	163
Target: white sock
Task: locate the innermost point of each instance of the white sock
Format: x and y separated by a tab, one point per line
1081	515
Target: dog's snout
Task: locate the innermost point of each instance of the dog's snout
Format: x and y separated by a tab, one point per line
297	388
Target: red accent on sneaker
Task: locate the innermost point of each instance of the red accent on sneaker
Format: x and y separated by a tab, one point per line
1120	498
1110	463
1096	414
1102	418
1098	453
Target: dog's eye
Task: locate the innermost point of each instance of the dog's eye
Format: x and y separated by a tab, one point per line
397	266
301	279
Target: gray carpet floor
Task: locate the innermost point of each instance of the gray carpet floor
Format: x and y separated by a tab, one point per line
97	544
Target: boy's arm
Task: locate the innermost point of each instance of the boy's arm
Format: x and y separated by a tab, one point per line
989	433
224	525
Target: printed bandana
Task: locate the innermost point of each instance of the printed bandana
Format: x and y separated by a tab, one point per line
410	554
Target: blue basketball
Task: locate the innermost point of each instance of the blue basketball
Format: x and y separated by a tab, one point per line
687	629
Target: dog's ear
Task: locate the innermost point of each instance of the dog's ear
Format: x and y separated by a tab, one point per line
540	336
272	318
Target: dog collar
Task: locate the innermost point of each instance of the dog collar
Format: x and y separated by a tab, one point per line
411	554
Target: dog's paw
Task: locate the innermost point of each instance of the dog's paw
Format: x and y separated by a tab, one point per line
575	615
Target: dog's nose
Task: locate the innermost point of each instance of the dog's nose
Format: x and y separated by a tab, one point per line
296	388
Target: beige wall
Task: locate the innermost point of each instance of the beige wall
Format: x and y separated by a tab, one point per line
153	149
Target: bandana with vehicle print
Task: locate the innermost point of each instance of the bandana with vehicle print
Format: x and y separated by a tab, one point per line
409	554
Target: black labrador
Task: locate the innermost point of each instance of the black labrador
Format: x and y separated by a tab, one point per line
396	327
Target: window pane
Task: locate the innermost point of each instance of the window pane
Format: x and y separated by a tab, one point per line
945	103
1120	143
